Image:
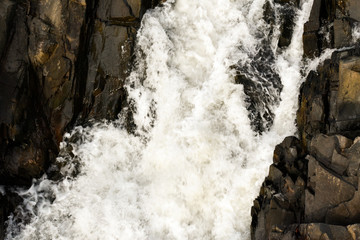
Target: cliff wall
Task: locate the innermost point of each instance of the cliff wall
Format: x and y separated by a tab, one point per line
61	63
312	190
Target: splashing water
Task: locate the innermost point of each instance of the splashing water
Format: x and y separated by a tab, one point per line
194	164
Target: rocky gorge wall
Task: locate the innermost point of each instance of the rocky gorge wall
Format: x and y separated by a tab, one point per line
62	62
312	190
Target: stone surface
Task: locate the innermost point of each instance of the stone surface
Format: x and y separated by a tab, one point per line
354	7
315	231
328	100
348	98
65	63
281	196
325	191
342	33
7	8
330	25
322	148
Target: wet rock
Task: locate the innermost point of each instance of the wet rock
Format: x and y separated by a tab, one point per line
325	191
345	213
322	148
339	163
310	42
65	62
286	156
311	29
328	98
7	8
313	24
281	196
314	231
54	41
353	7
347	110
262	87
342	33
25	138
311	118
120	9
287	12
107	72
61	62
330	25
352	154
8	202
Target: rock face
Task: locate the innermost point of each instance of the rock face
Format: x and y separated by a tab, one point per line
332	24
329	101
312	190
319	188
61	62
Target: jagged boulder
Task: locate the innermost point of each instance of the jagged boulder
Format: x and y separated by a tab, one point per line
281	197
321	188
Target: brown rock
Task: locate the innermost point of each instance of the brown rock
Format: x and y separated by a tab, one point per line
354	7
322	148
344	142
328	191
320	231
342	33
314	20
59	67
339	163
345	213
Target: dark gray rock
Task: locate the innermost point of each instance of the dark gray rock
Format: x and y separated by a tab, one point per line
325	191
65	62
281	196
322	148
313	24
314	231
342	33
7	8
354	7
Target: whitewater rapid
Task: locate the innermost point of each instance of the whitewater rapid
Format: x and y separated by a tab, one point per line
194	164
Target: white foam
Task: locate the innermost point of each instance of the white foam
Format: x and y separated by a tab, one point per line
355	32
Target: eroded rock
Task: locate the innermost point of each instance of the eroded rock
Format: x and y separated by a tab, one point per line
64	62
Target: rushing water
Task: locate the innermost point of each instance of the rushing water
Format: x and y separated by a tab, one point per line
194	164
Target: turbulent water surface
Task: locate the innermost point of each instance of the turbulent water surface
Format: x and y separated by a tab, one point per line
194	164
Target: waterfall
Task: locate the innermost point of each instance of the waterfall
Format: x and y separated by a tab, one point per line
194	162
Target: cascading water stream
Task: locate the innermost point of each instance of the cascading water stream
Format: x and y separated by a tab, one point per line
194	164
